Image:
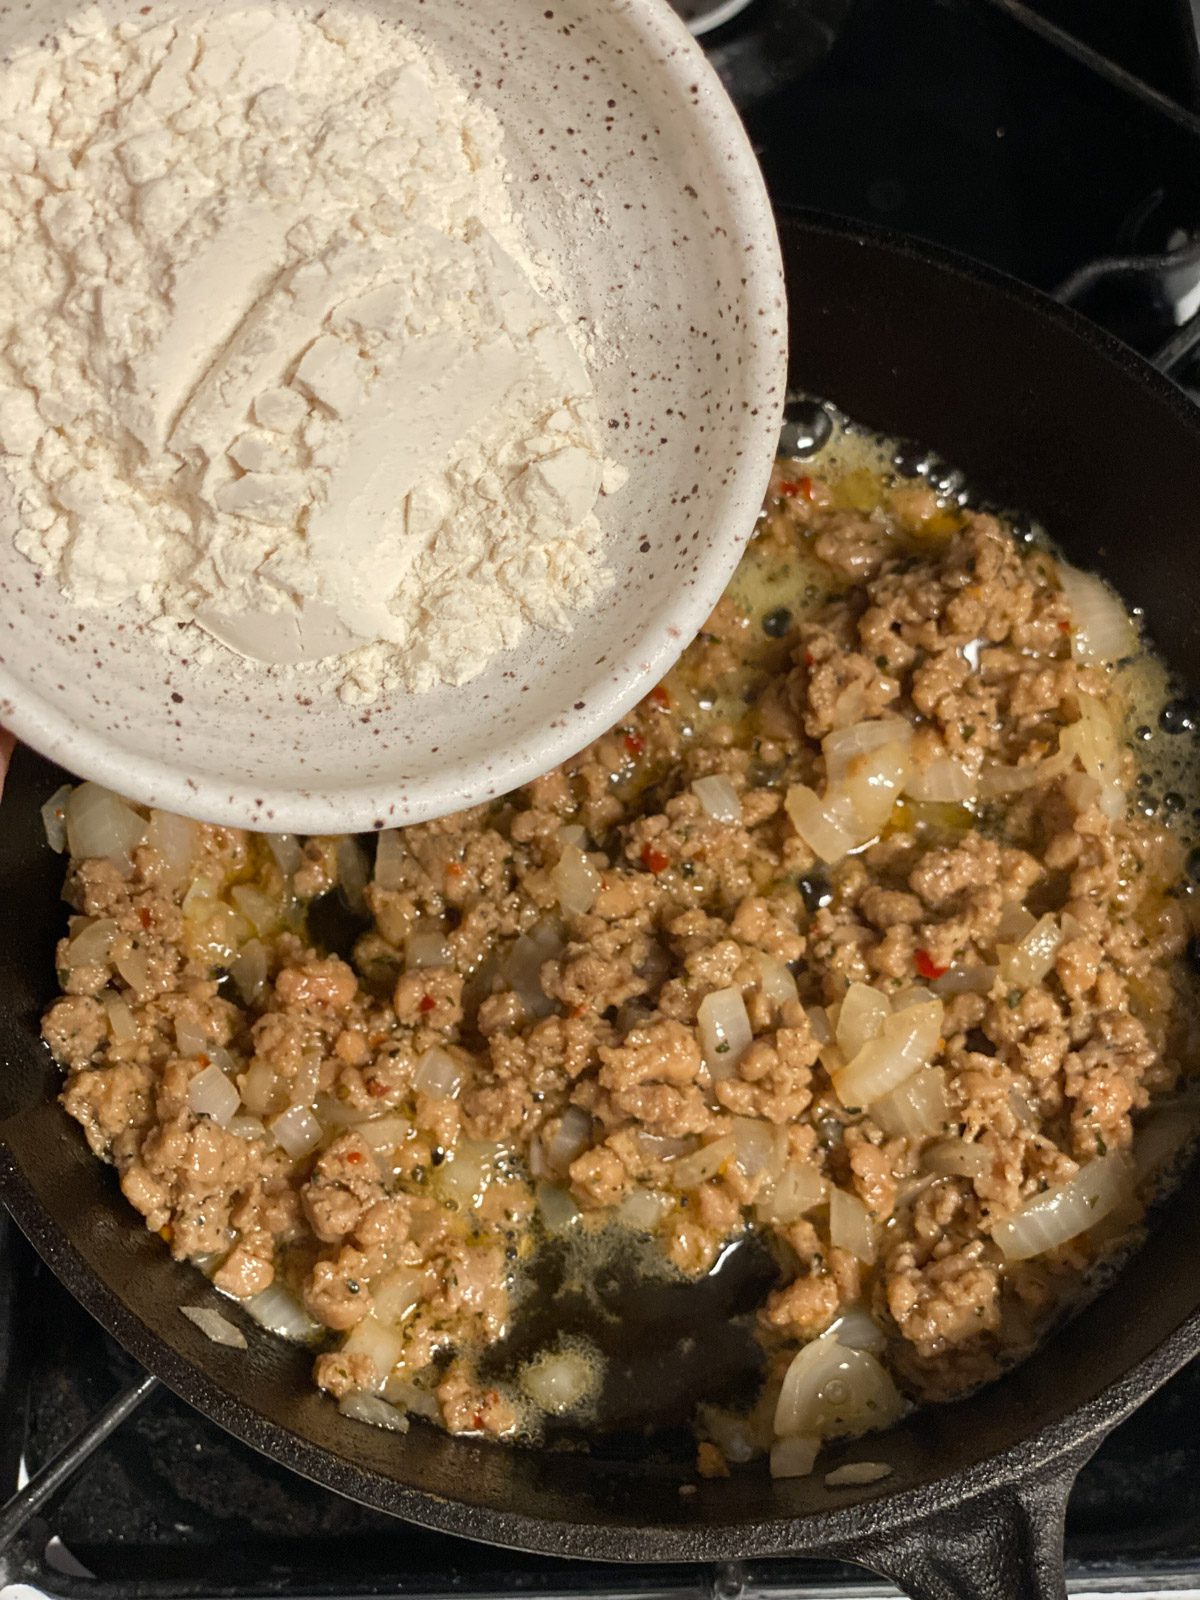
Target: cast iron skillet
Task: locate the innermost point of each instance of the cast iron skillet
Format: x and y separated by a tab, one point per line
1048	415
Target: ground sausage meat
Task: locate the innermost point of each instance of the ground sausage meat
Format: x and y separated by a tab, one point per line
695	981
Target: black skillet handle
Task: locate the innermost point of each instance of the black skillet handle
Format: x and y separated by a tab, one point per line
1005	1543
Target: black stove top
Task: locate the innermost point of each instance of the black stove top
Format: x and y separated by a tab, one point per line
1046	140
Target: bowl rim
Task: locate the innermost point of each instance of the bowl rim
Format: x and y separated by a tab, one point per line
162	781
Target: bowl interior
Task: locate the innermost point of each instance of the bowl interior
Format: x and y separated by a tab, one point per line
634	174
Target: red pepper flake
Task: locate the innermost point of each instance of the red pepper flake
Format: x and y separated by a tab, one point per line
927	966
797	486
426	1003
661	696
455	869
144	916
1064	626
353	1158
653	860
634	744
809	659
376	1089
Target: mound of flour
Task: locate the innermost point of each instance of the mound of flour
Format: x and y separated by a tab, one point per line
275	358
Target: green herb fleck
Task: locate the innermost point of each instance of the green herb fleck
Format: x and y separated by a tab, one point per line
1013	999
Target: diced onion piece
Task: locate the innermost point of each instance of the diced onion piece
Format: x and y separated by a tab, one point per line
754	1143
297	1131
851	1226
215	1327
302	1085
210	1094
825	829
262	1088
777	981
417	1401
906	1042
438	1073
798	1189
570	1139
338	1113
576	881
559	1380
1021	1108
832	1391
794	1457
190	1037
1103	630
262	913
463	1178
1064	1212
134	967
725	1031
277	1309
873	783
1026	964
959	1158
719	798
176	839
818	1021
370	1408
54	818
285	848
965	980
352	872
384	1346
247	1128
573	833
861	1018
843	747
1015	922
702	1164
100	824
121	1023
1093	739
199	901
385	1133
856	1474
390	855
523	965
733	1434
943	780
395	1295
920	1106
427	947
658	1147
997	780
92	945
643	1210
916	994
249	970
558	1210
857	1329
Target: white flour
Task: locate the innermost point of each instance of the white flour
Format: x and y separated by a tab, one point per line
274	357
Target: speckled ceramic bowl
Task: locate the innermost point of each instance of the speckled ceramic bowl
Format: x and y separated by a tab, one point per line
634	173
